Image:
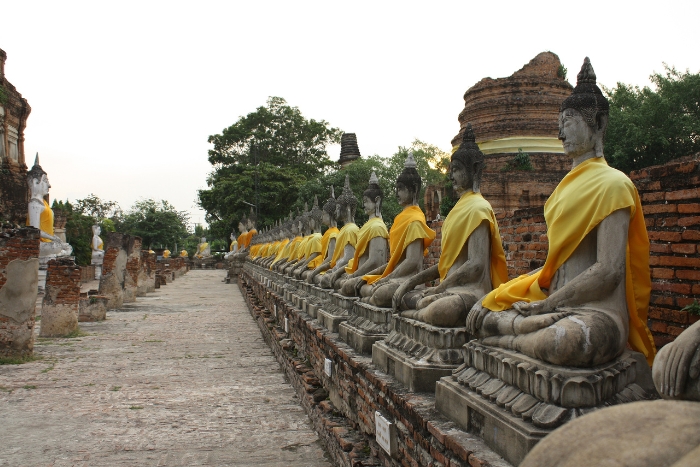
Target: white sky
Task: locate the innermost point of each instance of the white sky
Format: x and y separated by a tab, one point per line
125	94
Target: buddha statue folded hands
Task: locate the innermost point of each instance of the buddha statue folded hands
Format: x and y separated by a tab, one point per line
590	298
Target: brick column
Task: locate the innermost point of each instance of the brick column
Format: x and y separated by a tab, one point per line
133	267
60	307
114	269
19	268
147	274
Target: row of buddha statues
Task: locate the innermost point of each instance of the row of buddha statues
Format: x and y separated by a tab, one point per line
582	308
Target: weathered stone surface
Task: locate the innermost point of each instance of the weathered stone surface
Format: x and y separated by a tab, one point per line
114	269
17	304
178	378
640	434
92	308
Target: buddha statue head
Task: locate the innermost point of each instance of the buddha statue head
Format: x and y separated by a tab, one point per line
347	203
330	210
252	220
315	216
38	181
372	197
467	164
583	116
96	230
243	224
305	221
408	183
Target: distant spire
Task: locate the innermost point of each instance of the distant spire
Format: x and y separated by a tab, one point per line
410	162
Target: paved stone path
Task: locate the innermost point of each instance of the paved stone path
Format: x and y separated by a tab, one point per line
182	377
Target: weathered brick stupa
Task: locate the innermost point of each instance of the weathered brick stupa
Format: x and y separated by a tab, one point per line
14	110
519	112
348	149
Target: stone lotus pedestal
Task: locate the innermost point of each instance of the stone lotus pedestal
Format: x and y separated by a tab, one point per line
512	401
366	325
332	313
418	354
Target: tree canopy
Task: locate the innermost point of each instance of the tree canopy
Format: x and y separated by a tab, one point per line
276	149
652	126
158	223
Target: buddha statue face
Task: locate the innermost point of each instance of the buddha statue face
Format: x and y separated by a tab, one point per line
370	205
241	226
326	219
576	135
96	230
404	194
39	186
204	239
461	177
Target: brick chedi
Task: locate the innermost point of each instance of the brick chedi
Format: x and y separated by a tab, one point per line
519	112
348	149
14	110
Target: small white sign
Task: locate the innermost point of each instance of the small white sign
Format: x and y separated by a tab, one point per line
275	311
385	436
328	367
286	324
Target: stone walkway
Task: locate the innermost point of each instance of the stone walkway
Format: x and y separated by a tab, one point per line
182	377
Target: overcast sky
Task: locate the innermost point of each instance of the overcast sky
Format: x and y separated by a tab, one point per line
125	94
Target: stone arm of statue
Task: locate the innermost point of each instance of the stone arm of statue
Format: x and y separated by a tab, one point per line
323	266
478	257
339	269
377	246
422	277
677	363
411	264
34	210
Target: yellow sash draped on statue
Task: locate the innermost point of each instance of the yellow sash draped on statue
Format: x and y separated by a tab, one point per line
254	250
346	236
330	234
45	221
273	249
233	244
314	246
249	237
373	228
587	195
202	247
468	214
300	250
294	247
241	240
283	247
166	254
101	245
408	226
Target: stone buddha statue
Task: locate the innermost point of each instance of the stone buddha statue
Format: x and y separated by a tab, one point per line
233	248
346	240
372	245
590	299
290	250
296	251
184	254
203	249
472	261
285	236
40	215
97	244
328	218
312	250
250	226
166	253
409	239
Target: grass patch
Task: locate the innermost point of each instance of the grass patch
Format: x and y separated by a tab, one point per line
145	316
135	407
77	333
90	384
115	388
28	386
19	360
38	318
48	368
154	340
4	389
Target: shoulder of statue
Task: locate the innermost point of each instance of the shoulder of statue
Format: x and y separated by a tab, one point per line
36	202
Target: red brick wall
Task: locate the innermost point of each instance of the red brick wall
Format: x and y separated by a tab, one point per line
671	202
17	244
63	282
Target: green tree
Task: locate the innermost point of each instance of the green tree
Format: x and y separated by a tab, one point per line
98	209
270	152
650	127
158	223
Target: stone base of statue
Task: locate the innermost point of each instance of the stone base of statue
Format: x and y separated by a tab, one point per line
512	401
418	354
98	257
92	308
366	325
332	313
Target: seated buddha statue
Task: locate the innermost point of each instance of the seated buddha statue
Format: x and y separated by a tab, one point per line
233	248
97	245
40	215
409	239
184	254
312	250
372	245
250	226
472	261
346	240
289	253
203	249
590	299
297	251
328	218
166	253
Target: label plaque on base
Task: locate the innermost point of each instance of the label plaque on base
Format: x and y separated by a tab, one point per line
328	367
386	436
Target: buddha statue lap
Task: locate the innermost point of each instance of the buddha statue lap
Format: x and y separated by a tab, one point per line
328	241
409	240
